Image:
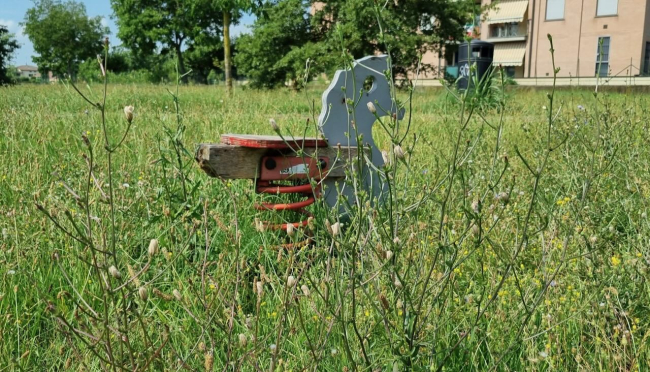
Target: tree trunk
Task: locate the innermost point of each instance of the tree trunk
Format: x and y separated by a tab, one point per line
226	51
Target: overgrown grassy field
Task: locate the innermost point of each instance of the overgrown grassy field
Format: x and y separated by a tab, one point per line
509	244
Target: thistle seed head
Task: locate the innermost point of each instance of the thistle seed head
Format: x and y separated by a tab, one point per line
128	113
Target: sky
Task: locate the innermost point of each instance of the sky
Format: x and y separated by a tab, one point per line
12	13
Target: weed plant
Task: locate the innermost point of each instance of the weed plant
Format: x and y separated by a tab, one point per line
513	236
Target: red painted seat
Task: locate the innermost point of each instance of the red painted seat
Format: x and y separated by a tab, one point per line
271	142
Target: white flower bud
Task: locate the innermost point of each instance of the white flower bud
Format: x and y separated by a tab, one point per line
502	197
143	293
371	107
273	347
114	272
476	206
291	230
389	255
336	229
305	290
399	152
274	125
242	340
177	294
153	247
291	281
386	157
128	112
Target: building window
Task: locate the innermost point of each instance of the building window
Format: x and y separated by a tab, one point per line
505	30
646	59
554	10
602	56
607	8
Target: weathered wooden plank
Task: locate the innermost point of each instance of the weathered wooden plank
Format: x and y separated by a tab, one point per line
236	162
271	142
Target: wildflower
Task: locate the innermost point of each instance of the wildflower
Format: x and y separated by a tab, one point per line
153	247
396	240
543	354
143	293
242	340
581	107
397	283
502	197
399	152
274	125
615	261
544	107
333	352
371	107
305	290
336	228
128	113
386	157
328	225
11	272
177	294
291	281
259	225
114	272
593	239
476	206
389	255
291	229
273	347
125	185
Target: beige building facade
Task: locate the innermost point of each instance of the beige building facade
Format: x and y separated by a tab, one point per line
590	37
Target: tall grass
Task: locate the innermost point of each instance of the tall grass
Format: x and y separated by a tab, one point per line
514	237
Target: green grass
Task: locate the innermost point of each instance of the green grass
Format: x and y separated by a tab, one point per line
592	315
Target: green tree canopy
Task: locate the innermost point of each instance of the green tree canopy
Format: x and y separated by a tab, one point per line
280	44
406	28
63	35
8	45
291	33
144	25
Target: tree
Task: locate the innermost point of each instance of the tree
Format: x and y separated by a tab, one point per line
280	43
174	25
408	28
63	35
8	45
